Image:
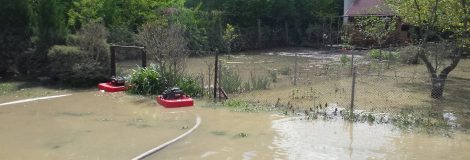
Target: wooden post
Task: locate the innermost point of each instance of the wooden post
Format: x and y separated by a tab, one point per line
216	68
295	68
259	33
113	61
144	58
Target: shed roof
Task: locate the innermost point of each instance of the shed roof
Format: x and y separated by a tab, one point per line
368	8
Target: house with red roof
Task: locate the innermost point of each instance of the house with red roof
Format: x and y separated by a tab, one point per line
365	8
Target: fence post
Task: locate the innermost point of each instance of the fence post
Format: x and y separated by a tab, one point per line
353	86
113	61
295	68
259	33
352	63
216	69
144	58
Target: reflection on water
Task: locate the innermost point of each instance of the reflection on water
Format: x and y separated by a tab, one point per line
338	139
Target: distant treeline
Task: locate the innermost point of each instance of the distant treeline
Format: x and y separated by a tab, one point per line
29	28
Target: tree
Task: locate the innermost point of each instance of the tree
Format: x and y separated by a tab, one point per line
167	46
434	17
229	36
51	24
15	32
379	29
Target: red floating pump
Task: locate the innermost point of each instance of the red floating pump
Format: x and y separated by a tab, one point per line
174	98
116	85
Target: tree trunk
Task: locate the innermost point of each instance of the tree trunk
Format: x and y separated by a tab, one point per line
437	89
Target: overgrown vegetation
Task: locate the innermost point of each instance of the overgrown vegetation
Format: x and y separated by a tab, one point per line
230	79
149	81
146	81
85	60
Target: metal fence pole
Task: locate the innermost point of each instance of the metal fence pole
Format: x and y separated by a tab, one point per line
353	86
295	68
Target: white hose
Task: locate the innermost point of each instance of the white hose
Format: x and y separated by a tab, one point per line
160	147
34	99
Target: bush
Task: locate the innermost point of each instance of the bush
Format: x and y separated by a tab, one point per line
146	81
230	80
408	55
383	55
149	81
72	65
122	36
85	61
344	59
189	85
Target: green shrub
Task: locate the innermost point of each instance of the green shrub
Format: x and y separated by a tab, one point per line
74	66
149	81
345	59
85	61
146	81
383	55
230	80
189	85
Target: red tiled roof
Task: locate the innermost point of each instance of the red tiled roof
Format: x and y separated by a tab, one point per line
368	7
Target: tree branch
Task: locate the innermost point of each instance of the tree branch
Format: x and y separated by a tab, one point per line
428	64
455	60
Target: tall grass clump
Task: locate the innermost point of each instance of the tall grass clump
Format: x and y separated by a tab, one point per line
230	80
257	83
146	81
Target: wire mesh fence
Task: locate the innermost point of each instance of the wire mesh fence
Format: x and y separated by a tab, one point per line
312	79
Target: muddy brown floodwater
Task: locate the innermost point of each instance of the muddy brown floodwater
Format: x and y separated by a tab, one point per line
93	125
89	125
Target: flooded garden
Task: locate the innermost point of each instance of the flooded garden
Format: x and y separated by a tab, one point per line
272	123
94	125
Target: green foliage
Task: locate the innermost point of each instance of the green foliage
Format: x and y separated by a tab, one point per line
230	80
189	85
85	61
72	66
344	59
383	55
436	17
15	32
146	81
51	24
229	36
121	36
376	28
150	81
